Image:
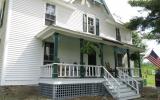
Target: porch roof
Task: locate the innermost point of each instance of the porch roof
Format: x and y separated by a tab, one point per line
50	30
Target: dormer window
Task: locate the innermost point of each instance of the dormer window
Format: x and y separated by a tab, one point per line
90	24
118	35
50	16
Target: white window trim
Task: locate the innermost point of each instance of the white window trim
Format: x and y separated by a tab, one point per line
94	22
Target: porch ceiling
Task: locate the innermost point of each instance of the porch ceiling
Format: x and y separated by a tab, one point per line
50	30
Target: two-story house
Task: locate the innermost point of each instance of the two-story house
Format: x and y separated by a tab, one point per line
69	47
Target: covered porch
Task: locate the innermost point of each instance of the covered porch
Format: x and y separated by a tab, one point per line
68	72
67	60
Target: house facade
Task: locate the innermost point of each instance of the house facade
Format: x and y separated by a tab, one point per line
66	43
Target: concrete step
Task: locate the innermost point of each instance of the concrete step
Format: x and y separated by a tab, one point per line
129	97
125	90
127	94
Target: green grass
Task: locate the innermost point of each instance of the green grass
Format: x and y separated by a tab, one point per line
148	73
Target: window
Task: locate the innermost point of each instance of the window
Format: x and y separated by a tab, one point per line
2	9
118	36
50	17
48	53
90	24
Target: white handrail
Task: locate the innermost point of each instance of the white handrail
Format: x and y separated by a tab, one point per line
46	71
135	72
110	78
128	79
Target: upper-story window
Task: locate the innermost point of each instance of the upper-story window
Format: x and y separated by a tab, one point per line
118	35
90	24
50	16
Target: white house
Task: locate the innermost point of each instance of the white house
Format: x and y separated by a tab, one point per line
44	42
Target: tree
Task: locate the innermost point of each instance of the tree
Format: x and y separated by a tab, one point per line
151	21
137	40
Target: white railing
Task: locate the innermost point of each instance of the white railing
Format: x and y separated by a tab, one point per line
46	71
113	83
70	70
123	76
92	71
135	72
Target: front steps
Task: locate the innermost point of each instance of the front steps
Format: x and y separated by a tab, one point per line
125	92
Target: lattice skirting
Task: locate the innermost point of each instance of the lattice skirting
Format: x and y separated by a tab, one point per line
68	91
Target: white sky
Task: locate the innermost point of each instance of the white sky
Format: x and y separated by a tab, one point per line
126	12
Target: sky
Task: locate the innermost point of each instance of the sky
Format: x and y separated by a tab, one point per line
125	12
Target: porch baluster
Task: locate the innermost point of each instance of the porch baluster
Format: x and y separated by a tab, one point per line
77	71
60	70
69	71
65	70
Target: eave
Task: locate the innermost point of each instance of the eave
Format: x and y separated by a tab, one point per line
50	30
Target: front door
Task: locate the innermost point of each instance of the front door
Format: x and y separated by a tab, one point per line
92	59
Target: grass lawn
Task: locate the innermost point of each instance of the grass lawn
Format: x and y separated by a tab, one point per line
148	73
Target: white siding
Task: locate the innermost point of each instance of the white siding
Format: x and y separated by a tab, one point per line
126	36
69	50
2	38
24	51
1	52
73	19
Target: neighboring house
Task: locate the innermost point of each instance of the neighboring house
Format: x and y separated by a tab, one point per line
42	41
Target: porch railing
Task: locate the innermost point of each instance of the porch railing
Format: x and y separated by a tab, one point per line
134	72
122	75
71	70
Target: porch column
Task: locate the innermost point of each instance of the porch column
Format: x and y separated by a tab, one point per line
81	54
55	56
82	68
101	54
101	58
139	64
129	64
115	59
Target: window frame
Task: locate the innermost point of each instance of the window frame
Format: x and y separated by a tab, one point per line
48	61
94	24
118	34
50	19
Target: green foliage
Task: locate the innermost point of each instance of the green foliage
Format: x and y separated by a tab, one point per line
137	40
134	56
147	73
151	21
88	47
